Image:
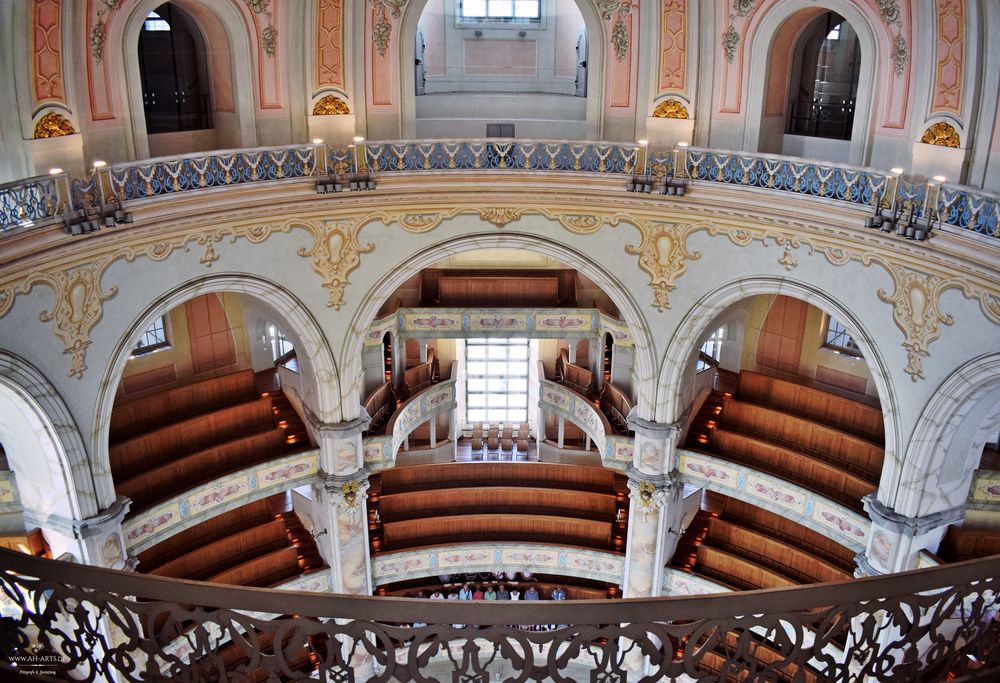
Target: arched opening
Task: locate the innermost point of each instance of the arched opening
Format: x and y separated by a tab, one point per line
495	68
175	86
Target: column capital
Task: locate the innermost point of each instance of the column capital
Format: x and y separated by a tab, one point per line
650	429
337	430
82	529
888	518
649	493
348	491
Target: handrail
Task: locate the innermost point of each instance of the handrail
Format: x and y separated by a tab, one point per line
379	404
956	605
616	402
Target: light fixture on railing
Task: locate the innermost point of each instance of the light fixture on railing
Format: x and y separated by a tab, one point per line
903	217
317	141
55	171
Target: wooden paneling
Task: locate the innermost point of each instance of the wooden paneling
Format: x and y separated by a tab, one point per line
483	287
498	499
211	337
210	559
767	552
779	345
968	544
798	399
782	529
841	380
810	472
533	474
152	486
485	527
227	523
131	457
144	381
736	571
267	570
847	451
152	412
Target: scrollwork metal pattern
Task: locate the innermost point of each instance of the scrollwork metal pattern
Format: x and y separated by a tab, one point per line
33	199
103	625
962	208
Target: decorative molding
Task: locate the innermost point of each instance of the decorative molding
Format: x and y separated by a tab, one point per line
619	38
500	215
670	109
330	44
663	254
942	134
916	311
730	41
673	46
335	253
46	47
744	7
900	55
268	34
949	72
892	18
53	125
909	526
382	26
331	105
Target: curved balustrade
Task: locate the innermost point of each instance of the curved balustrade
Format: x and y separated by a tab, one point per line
570	405
379	405
43	199
956	607
413	412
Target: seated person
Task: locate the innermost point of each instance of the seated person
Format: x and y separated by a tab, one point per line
465	593
503	593
477	594
436	595
490	594
531	593
559	593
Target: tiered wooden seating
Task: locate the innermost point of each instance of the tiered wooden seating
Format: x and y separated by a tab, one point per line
962	543
477	437
713	662
421	376
507	438
525	475
616	406
212	558
233	656
850	415
737	572
812	473
266	570
148	413
493	438
497	527
499	499
580	380
849	452
781	557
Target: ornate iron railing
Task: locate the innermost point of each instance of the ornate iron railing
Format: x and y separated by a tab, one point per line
92	624
32	200
969	209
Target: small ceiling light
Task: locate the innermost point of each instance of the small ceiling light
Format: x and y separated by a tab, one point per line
897	170
940	178
100	164
317	141
55	171
358	138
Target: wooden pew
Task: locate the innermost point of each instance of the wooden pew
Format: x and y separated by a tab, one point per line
220	526
210	559
781	557
850	452
131	418
179	475
528	474
813	403
498	499
492	527
131	457
802	469
961	544
774	525
737	572
264	571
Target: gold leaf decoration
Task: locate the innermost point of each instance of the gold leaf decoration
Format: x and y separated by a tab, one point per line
670	109
663	254
335	253
53	125
942	134
331	105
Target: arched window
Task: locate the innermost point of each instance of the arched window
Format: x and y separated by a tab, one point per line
824	79
174	74
712	348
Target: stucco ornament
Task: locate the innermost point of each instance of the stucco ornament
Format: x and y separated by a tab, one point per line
331	105
646	497
53	125
670	109
335	253
900	55
500	215
619	39
619	30
744	7
268	34
942	134
916	311
730	40
663	253
889	9
382	26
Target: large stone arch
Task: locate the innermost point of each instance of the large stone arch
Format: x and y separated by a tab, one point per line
393	275
764	35
320	393
595	67
216	20
933	474
677	365
46	453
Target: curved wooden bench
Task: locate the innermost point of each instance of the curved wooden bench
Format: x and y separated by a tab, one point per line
736	571
264	571
214	558
487	527
496	499
528	474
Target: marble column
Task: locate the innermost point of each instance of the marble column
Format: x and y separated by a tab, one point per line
99	541
896	540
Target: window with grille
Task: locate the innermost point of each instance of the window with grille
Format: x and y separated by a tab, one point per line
839	339
500	10
496	380
712	348
153	339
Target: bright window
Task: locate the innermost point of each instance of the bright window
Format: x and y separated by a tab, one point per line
280	344
496	380
839	339
154	22
501	10
712	347
153	339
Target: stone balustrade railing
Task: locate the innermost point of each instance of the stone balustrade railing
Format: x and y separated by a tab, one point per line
49	199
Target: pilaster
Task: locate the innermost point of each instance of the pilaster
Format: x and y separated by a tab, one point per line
99	539
655	446
896	539
655	513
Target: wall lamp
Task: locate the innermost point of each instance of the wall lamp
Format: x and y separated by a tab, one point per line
904	217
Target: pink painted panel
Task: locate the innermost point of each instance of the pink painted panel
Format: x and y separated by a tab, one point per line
46	43
950	55
381	70
673	46
621	74
102	106
329	44
500	57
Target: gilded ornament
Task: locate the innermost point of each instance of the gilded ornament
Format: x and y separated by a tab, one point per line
53	125
730	39
330	105
663	254
619	39
500	216
670	109
335	253
581	223
942	134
